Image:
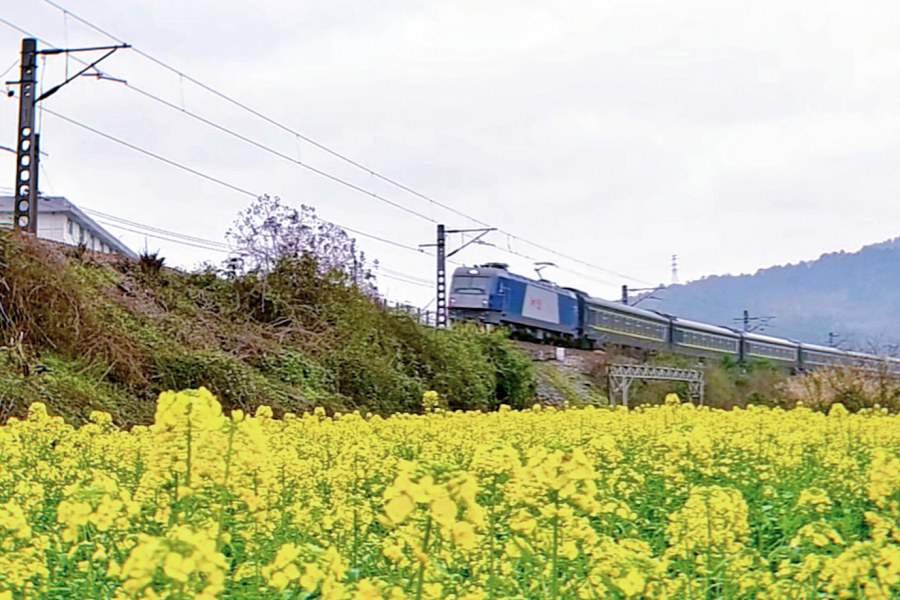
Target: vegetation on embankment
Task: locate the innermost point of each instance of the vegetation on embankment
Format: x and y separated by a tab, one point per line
731	384
85	332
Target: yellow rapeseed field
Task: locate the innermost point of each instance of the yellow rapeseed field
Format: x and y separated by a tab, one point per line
674	501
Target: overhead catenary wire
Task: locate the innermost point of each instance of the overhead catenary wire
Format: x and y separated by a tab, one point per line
332	177
405	280
216	247
187	238
175	237
281	155
149	233
342	157
357	188
158	233
211	178
170	236
381	268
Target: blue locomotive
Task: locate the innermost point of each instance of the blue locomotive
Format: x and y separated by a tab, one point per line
491	294
542	310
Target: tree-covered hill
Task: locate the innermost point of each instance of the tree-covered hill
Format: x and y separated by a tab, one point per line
854	295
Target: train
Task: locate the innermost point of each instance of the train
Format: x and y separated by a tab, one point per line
540	309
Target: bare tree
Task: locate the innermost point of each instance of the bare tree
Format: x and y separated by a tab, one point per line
268	230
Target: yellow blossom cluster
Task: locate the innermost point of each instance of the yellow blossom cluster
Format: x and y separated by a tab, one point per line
673	501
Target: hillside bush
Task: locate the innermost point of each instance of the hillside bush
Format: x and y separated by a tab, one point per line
120	332
854	388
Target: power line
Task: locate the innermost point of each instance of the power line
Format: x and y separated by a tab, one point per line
274	152
317	171
297	162
237	135
328	150
20	30
151	154
171	236
161	237
412	278
260	115
211	178
216	247
188	238
256	144
3	74
405	280
533	259
221	247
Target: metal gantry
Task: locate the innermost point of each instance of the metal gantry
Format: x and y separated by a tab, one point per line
621	376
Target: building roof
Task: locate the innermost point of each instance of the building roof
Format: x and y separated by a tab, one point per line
59	205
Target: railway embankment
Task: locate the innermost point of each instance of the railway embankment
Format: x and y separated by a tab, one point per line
567	375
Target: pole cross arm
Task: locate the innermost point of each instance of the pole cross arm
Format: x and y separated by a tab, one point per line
73	50
25	188
483	233
56	88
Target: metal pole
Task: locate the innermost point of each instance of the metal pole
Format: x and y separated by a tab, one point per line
441	318
25	189
625	295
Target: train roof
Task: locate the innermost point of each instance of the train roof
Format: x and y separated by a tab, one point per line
756	337
863	356
624	308
706	327
500	269
823	349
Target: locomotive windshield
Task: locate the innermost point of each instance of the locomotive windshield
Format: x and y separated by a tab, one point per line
471	285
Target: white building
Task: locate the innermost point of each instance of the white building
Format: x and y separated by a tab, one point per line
61	221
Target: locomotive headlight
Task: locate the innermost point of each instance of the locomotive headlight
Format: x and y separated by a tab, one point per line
484	302
473	271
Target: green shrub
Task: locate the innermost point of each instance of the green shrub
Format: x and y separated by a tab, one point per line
236	384
514	370
118	332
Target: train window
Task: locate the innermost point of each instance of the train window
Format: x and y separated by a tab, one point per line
471	285
626	324
702	340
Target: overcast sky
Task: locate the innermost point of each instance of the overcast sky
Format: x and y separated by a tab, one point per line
735	134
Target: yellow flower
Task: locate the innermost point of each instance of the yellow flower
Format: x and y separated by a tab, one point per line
464	534
398	508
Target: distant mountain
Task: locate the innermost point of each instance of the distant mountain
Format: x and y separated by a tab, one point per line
855	295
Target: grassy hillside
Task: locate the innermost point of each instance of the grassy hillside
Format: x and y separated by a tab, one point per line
82	331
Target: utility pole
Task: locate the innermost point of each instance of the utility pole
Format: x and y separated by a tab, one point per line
751	324
441	318
25	190
26	187
626	290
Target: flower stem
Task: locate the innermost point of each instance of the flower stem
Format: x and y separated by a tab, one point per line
421	577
